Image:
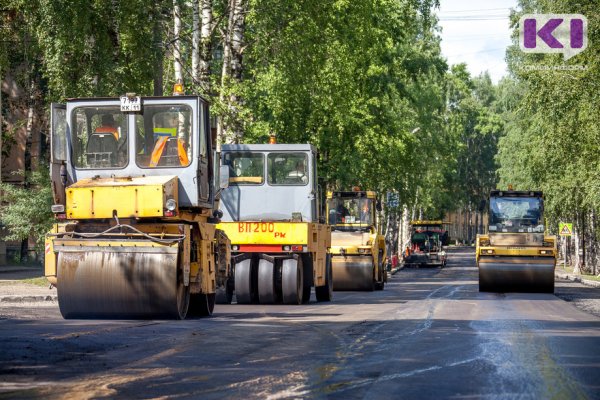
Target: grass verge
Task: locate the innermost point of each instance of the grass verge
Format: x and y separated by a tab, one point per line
41	281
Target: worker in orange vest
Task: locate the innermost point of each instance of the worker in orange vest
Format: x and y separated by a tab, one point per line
108	126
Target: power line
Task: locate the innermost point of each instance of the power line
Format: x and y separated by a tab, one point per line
476	52
476	10
473	18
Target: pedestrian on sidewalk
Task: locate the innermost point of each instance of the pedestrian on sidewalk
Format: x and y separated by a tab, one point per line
395	261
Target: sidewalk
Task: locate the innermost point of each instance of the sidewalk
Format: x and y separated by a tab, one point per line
14	290
576	278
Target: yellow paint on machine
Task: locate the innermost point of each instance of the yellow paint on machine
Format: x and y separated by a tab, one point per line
130	197
254	232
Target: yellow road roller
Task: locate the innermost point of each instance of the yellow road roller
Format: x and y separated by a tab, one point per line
136	207
357	247
516	255
271	214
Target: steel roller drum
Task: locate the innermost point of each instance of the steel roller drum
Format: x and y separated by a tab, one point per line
123	282
516	274
352	273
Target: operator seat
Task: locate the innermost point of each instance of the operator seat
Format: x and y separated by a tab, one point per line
101	150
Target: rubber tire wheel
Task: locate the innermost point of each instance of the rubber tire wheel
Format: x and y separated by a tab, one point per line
325	292
266	282
202	305
225	295
292	282
245	289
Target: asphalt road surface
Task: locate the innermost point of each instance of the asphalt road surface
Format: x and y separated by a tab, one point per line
429	335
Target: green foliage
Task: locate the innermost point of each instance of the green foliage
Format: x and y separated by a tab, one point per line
553	128
99	47
475	126
352	78
25	211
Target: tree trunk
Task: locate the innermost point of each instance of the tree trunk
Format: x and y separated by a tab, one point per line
237	38
195	42
158	54
1	129
30	156
225	73
205	46
177	67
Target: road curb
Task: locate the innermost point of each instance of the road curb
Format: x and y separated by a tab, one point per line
27	299
395	270
578	278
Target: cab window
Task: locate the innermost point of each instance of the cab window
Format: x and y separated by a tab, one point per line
99	138
164	136
245	168
288	169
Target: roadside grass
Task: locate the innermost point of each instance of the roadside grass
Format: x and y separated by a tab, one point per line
569	269
40	281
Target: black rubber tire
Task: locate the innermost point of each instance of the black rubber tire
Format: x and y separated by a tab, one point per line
325	292
244	282
202	305
292	282
266	282
225	294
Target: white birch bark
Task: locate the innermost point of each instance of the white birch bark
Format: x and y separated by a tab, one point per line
237	37
177	67
225	73
195	42
205	45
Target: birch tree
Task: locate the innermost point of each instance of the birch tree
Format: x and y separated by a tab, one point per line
195	42
229	128
206	45
177	67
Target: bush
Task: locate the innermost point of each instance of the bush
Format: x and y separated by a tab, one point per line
25	210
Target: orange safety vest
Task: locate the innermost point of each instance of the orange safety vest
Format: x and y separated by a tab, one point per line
108	129
159	147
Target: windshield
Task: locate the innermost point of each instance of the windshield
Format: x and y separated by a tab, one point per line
287	169
350	212
245	168
99	138
516	214
164	136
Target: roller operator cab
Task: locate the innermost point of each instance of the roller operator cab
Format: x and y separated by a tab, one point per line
426	248
134	197
516	255
357	247
271	215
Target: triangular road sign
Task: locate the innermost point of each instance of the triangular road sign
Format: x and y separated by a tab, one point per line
565	229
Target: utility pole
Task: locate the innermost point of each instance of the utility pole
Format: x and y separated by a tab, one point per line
1	124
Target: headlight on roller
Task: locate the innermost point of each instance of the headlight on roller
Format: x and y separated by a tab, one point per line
171	204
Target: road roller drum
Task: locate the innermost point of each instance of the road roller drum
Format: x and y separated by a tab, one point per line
516	274
352	273
120	282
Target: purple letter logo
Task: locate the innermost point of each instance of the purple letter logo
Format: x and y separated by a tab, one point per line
553	33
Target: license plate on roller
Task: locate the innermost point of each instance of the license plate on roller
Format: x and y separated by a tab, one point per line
131	104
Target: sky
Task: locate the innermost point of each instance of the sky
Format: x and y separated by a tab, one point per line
476	33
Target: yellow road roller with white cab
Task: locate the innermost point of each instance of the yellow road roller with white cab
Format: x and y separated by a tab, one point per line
133	180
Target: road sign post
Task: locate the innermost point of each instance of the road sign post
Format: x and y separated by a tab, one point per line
565	230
